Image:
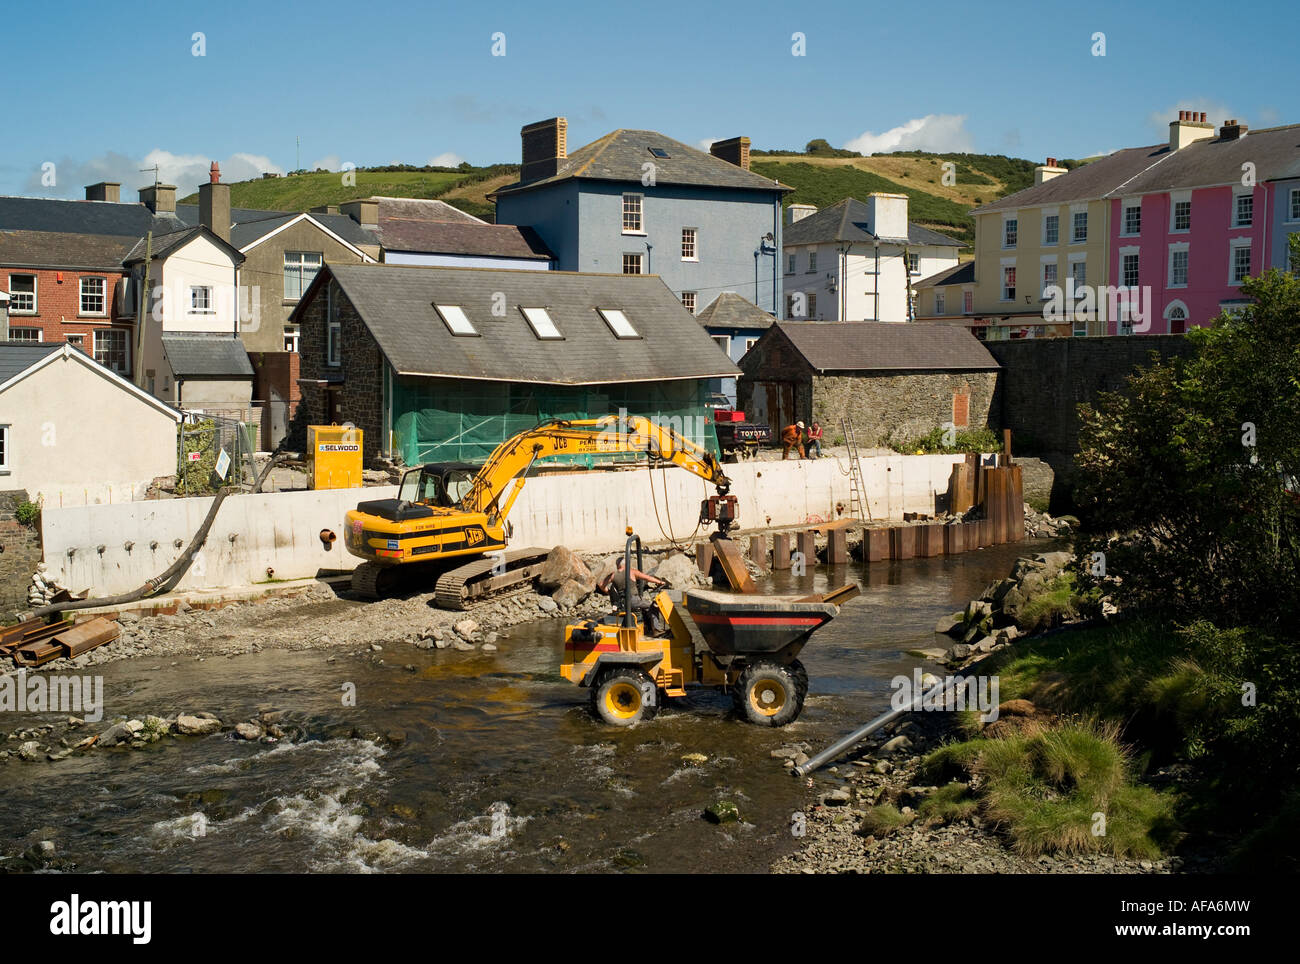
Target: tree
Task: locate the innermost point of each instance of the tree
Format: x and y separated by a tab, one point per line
1188	480
818	146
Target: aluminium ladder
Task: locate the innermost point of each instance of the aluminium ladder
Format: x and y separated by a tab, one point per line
857	488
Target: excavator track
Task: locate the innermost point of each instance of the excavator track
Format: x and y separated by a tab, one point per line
475	581
368	580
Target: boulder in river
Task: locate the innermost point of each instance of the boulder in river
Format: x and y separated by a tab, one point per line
678	570
571	593
196	725
724	811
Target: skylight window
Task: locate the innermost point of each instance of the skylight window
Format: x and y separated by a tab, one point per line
541	323
659	152
454	317
618	323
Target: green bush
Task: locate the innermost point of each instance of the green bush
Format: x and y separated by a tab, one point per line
27	513
196	477
935	442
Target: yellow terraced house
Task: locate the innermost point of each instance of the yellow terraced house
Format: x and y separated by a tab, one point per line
1044	236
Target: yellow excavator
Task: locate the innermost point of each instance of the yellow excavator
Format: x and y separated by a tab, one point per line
449	510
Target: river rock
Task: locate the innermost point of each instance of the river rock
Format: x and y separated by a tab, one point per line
951	625
466	628
546	604
724	811
196	725
571	593
30	751
115	734
248	731
463	646
837	798
897	745
929	652
489	647
562	565
678	570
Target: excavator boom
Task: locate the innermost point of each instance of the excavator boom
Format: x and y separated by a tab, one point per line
389	534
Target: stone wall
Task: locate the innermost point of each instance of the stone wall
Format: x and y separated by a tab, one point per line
1044	380
361	395
901	406
20	551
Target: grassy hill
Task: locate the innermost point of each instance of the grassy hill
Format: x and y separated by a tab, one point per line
821	179
979	178
466	188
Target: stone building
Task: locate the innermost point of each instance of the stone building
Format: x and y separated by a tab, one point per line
889	380
444	364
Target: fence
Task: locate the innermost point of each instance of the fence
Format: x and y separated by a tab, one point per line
212	449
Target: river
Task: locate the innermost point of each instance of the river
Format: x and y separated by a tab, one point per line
474	762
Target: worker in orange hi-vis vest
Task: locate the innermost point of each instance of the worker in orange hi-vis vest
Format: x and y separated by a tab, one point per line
792	438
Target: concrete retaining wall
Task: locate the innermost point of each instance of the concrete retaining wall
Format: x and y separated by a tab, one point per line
583	511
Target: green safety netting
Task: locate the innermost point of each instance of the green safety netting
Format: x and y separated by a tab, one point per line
435	420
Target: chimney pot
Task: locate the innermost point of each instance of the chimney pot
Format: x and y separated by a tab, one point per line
1202	117
214	173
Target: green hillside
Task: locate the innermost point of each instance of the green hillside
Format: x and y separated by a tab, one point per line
465	187
821	178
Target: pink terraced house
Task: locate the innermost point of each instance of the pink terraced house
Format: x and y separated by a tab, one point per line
1196	222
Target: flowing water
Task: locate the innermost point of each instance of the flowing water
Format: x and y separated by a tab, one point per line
475	762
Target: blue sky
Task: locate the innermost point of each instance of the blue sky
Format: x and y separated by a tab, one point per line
373	83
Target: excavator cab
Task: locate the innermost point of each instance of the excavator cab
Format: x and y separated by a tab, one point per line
441	484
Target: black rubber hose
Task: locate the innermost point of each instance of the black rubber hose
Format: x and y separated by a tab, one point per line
172	575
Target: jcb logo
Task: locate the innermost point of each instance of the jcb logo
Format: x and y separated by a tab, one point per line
474	536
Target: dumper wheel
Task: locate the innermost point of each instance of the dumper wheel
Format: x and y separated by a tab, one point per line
624	697
770	693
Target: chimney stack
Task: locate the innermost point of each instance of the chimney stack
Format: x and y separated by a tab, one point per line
797	212
734	150
1188	129
159	198
1045	172
544	145
1231	130
365	212
214	204
104	191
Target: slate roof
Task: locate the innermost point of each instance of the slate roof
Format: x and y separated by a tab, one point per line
58	249
1275	152
620	154
863	346
460	237
249	224
396	303
847	221
734	312
16	357
162	245
83	217
1093	180
961	274
197	356
421	209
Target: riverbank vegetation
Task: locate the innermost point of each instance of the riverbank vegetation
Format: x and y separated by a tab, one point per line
1181	720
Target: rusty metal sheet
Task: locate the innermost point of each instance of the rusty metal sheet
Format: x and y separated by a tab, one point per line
729	557
87	636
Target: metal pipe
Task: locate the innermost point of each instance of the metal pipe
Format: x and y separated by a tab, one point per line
629	584
838	747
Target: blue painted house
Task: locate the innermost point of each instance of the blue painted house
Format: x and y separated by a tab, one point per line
736	324
637	202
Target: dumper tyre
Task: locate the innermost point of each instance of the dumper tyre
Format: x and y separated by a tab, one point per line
769	693
624	696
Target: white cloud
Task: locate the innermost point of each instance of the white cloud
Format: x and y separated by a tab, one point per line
708	142
1215	113
941	133
446	159
186	171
